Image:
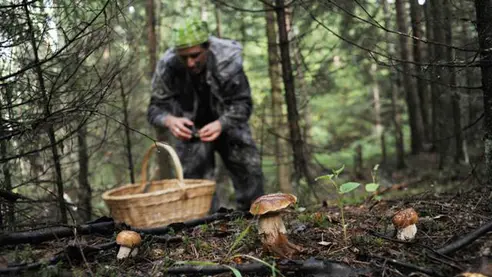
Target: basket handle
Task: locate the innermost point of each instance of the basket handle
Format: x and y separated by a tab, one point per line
177	166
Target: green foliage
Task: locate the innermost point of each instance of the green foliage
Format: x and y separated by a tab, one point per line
346	188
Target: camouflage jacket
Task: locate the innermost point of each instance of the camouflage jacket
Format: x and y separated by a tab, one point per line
173	93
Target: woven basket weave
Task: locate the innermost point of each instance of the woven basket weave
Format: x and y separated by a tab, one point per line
160	202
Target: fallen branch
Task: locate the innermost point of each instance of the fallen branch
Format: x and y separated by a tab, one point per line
51	233
467	239
105	226
71	252
407	265
289	268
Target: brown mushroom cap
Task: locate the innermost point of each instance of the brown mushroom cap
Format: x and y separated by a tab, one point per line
128	238
272	203
405	218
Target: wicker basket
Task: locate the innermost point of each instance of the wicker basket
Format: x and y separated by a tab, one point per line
160	202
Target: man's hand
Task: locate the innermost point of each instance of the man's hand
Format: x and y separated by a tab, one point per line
211	131
178	126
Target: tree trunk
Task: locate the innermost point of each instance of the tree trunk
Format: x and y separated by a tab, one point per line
300	164
395	111
455	113
438	102
204	10
484	19
218	23
423	93
281	146
85	190
151	36
303	94
128	144
378	126
413	104
163	170
9	206
431	75
51	132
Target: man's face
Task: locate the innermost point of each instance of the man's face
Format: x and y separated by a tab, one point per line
195	58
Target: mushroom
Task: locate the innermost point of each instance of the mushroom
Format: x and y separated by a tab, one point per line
128	242
271	228
404	222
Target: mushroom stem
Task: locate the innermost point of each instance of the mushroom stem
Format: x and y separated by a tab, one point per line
407	233
124	252
273	236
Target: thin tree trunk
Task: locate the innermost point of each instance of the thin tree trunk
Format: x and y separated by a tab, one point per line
128	144
163	170
431	75
423	93
281	146
484	19
455	94
438	102
85	190
9	206
218	22
303	95
203	10
151	36
395	111
51	132
290	98
378	127
413	104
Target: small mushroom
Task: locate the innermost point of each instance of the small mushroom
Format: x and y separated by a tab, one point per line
404	222
271	228
129	241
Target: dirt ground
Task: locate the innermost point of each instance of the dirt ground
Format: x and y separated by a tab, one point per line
450	204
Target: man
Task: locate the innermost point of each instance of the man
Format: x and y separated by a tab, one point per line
202	95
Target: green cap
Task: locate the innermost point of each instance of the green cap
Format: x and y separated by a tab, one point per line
190	33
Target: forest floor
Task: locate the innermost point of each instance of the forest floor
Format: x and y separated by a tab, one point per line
451	204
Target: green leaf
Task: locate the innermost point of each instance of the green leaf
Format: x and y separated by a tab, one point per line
338	171
325	177
371	187
234	271
347	187
239	239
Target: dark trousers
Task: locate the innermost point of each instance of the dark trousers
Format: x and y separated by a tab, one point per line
241	159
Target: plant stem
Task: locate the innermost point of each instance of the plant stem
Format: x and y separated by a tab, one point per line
340	206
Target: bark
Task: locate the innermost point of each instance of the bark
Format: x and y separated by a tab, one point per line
303	94
281	146
218	24
439	104
376	94
9	206
412	99
300	163
431	75
85	190
484	19
163	169
455	94
395	111
423	93
128	143
203	10
47	110
151	36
